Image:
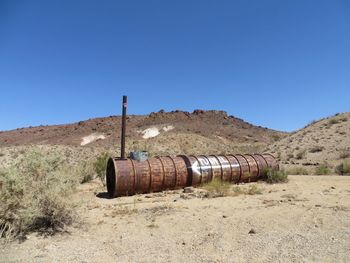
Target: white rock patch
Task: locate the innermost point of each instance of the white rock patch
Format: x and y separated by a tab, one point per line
150	133
168	128
91	138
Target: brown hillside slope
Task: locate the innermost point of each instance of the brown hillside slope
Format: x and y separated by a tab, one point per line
200	132
325	142
215	125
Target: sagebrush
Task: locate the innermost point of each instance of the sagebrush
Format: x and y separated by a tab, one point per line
275	176
100	166
34	196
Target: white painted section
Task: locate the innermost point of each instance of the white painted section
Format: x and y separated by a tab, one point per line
150	133
168	128
154	131
91	138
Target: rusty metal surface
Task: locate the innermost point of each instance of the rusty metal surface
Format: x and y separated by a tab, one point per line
122	149
129	177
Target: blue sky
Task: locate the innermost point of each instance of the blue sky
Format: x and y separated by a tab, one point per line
279	64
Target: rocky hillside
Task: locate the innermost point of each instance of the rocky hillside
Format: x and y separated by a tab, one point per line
160	133
321	143
213	125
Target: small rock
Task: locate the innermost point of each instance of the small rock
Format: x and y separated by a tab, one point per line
183	243
188	189
317	205
332	187
252	231
224	216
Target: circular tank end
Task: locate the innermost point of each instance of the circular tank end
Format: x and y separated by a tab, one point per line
110	177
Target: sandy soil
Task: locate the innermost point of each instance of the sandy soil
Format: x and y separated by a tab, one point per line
305	220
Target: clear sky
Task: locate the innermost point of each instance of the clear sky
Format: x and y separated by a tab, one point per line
279	64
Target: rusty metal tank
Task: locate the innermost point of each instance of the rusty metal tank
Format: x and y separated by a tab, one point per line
129	177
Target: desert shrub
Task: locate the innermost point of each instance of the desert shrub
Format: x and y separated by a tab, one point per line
344	154
343	169
100	166
289	156
217	188
253	190
300	154
276	137
322	169
297	171
34	196
85	172
316	149
333	121
278	155
276	176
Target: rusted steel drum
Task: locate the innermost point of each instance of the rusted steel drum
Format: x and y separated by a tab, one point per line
129	177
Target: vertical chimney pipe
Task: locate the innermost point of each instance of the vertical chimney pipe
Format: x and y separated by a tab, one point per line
122	149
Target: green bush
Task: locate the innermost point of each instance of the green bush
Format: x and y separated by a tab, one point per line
343	169
276	176
322	170
100	166
34	196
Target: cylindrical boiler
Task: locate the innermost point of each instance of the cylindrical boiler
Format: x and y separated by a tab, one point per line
129	177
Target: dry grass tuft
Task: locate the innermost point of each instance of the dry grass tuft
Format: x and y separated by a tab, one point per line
276	176
322	169
253	190
217	188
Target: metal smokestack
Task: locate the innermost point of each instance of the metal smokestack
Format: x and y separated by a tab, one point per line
122	150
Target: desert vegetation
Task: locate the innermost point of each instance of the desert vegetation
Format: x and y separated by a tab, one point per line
35	196
35	192
218	188
276	176
343	169
323	169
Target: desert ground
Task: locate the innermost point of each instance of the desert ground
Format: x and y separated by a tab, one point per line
304	220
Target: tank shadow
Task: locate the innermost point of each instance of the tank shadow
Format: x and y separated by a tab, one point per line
103	195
